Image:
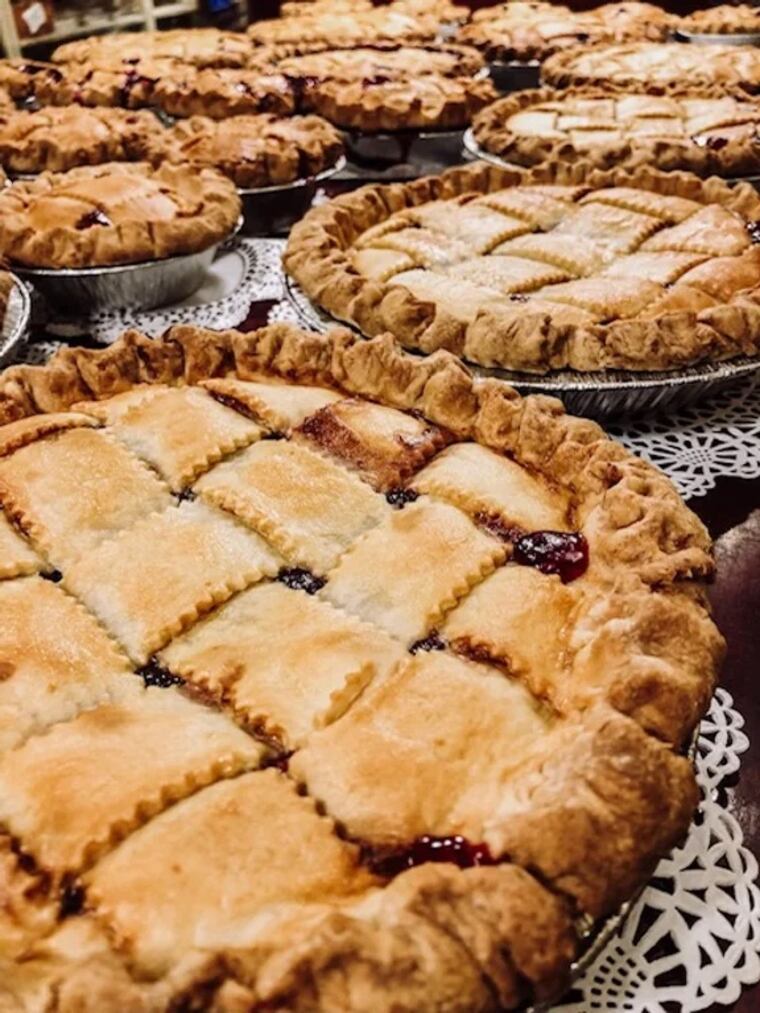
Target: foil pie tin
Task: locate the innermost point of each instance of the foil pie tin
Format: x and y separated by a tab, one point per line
271	210
15	324
609	394
140	286
422	148
725	39
511	75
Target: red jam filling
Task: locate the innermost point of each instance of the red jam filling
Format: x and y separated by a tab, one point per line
455	850
562	552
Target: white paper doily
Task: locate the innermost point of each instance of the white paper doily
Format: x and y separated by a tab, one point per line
693	937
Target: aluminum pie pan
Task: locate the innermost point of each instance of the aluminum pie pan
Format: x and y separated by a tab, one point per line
392	147
472	147
602	395
14	328
269	210
718	38
141	286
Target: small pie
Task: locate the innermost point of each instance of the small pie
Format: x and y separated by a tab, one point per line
252	151
513	267
707	131
220	93
55	139
107	83
525	31
386	103
202	47
654	65
354	28
308	8
116	213
382	61
724	19
333	678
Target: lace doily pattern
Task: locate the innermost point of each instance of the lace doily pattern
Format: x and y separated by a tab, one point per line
692	939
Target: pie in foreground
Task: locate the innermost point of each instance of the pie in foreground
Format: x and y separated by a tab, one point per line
558	266
419	659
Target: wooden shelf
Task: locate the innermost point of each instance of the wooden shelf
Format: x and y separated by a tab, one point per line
71	27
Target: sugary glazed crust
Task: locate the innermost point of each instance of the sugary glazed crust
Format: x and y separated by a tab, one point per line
735	157
317	256
433	102
730	66
435	937
725	19
105	215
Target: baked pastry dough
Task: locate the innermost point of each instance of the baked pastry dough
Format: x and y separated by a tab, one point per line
511	267
356	28
723	19
56	139
115	214
520	620
103	83
202	47
224	92
252	150
702	130
17	557
384	61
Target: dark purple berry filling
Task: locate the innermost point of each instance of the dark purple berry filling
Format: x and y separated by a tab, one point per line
299	579
72	900
154	674
398	498
93	218
561	552
432	642
455	850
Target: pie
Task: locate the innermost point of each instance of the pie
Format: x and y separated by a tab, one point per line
309	8
355	28
220	93
655	64
85	84
335	566
724	19
533	30
59	138
202	47
116	213
382	61
707	132
385	103
560	266
253	151
443	10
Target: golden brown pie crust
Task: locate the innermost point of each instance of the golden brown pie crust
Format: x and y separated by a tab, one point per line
117	213
321	246
711	152
583	825
223	92
724	19
202	47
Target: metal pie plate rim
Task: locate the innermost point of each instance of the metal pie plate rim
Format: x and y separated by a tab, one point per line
711	38
113	269
296	184
559	381
17	315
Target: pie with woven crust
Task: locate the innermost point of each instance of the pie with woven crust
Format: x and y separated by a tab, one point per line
356	28
560	266
203	47
58	138
252	150
533	31
654	65
725	19
707	132
309	8
382	61
220	93
117	213
111	83
419	658
386	103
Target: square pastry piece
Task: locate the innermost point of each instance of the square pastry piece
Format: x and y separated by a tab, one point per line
410	570
74	489
151	582
279	407
308	507
16	554
284	662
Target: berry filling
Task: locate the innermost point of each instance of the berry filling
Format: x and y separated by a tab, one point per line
72	900
455	850
432	642
497	526
53	575
398	498
561	552
154	674
299	579
93	218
